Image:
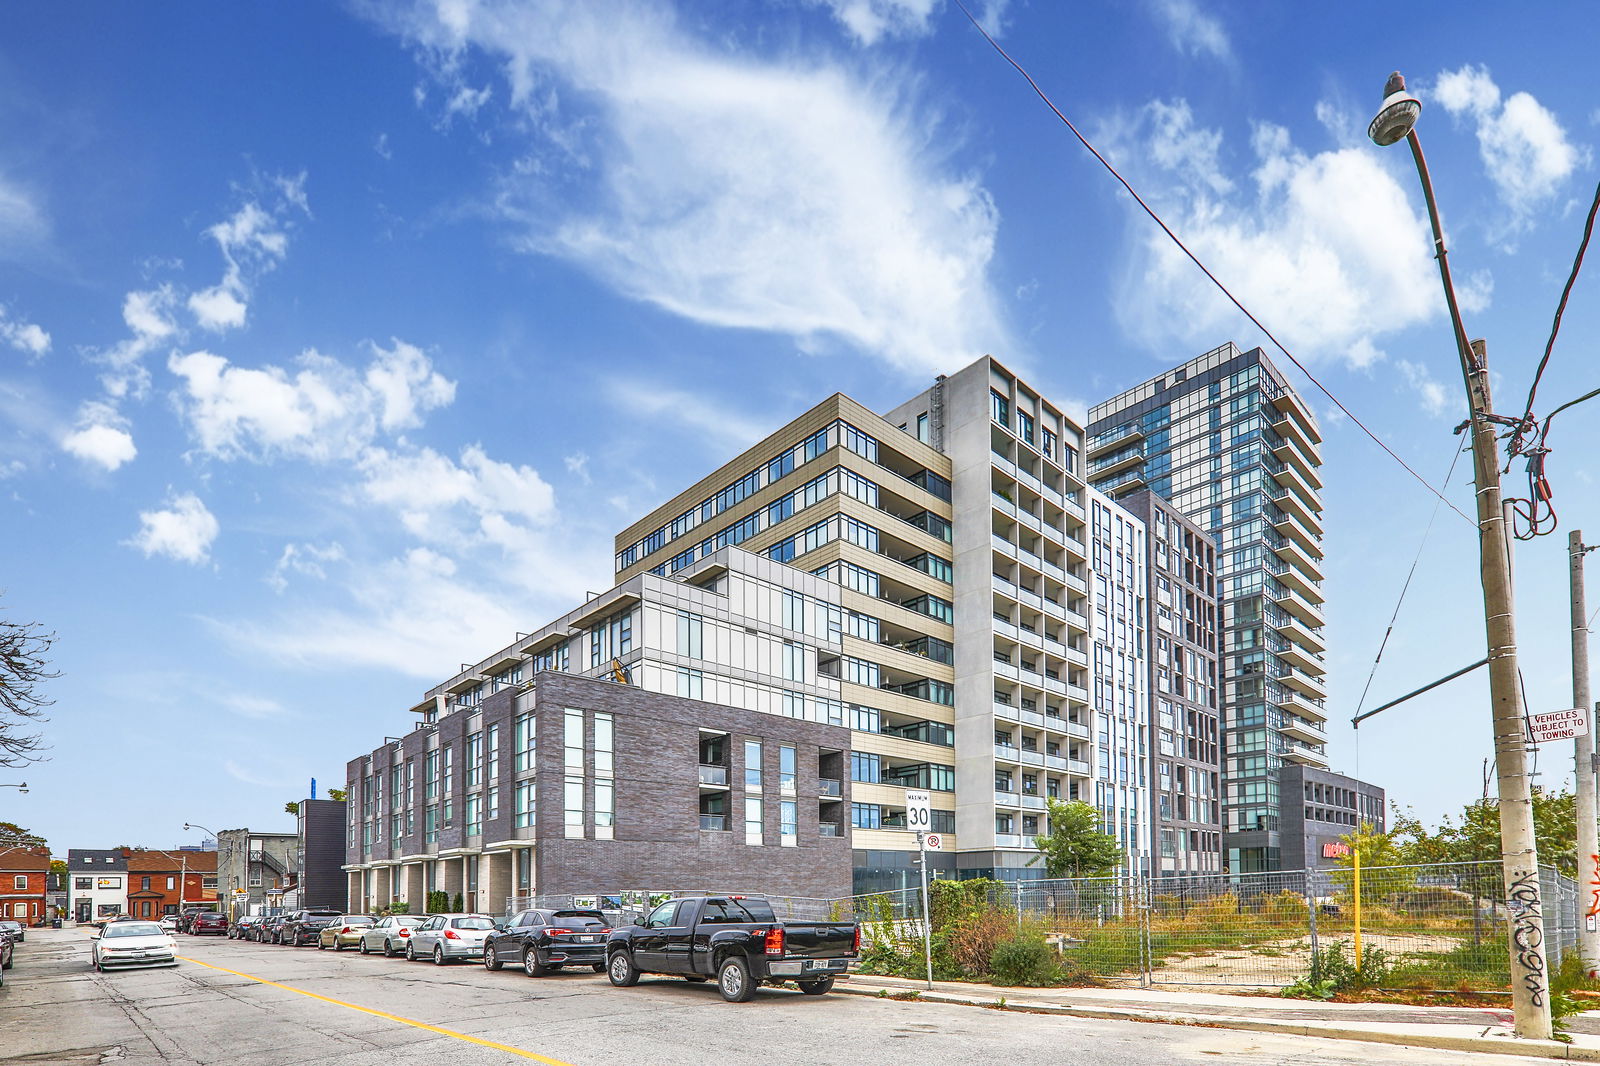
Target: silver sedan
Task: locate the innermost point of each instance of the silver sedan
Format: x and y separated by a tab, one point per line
389	935
447	937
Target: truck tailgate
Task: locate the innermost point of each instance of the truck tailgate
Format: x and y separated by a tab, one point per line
819	940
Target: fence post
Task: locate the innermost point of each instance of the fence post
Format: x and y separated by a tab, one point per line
1017	886
1147	967
1357	853
1311	909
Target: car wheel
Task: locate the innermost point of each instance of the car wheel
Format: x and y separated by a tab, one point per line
320	945
530	963
388	948
490	962
361	946
438	954
820	987
338	945
411	954
733	980
621	970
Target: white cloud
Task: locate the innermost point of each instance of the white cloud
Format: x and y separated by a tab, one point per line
322	410
870	20
715	421
1433	395
381	146
1525	151
182	530
25	337
148	316
450	503
1192	31
712	201
283	777
307	560
253	240
1313	244
257	707
578	465
101	437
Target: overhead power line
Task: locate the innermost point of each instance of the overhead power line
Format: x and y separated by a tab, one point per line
1203	268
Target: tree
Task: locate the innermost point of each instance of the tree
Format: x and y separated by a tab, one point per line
14	836
337	794
1377	852
24	667
292	807
1075	846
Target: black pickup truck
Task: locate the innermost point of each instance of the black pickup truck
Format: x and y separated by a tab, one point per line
735	939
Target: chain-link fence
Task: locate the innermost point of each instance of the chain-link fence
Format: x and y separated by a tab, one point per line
1440	926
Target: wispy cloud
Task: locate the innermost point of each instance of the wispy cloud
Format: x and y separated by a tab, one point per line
1310	242
710	199
26	337
24	226
101	437
306	560
1525	151
717	422
1191	30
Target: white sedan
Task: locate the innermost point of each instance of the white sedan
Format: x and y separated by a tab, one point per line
132	944
169	924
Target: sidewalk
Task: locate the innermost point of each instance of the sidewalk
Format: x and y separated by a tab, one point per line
1481	1029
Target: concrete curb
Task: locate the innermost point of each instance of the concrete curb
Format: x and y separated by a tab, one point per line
1487	1045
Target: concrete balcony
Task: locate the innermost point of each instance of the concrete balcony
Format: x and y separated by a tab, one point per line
1005	753
1302	659
1300	704
1303	755
1297	554
1078	766
1297	605
1310	685
1289	402
1300	729
1113	439
1077	729
1005	711
1115	464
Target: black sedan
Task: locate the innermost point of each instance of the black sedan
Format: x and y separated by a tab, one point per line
543	941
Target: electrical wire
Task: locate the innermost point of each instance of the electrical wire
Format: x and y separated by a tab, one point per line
1196	261
1526	425
1404	588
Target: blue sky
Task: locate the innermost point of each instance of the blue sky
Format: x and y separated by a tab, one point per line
337	342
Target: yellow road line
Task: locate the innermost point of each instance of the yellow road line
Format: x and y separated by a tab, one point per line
385	1014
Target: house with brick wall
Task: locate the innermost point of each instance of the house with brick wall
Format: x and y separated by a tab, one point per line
23	876
165	882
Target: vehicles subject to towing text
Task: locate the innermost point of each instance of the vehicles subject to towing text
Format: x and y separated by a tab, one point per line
737	940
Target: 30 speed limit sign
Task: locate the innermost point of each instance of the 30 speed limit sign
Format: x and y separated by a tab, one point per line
919	811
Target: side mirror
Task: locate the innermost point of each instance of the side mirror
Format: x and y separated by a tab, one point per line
94	936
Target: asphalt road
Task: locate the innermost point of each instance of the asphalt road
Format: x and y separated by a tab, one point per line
281	1006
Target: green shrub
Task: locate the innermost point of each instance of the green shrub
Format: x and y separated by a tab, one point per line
1024	961
1564	981
457	905
1331	973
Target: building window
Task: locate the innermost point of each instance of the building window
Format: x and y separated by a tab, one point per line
524	804
789	823
522	743
786	769
866	816
691	683
865	766
524	868
20	882
604	743
691	632
171	883
492	803
573	740
605	810
81	883
752	765
430	777
922	427
474	756
574	807
491	751
752	820
474	815
999	408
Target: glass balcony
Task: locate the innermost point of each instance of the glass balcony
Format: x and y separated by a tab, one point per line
714	822
713	775
828	786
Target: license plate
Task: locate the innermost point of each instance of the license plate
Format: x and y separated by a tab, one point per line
817	964
588	939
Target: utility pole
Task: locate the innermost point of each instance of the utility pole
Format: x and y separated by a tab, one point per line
1519	857
1583	765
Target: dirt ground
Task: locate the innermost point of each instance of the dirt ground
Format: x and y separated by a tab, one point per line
1281	962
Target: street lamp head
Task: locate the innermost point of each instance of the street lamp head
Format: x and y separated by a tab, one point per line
1397	115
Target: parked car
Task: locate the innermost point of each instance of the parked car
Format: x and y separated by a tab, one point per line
302	926
272	928
390	934
134	943
737	940
448	937
8	953
186	918
168	923
545	940
240	929
18	933
259	932
344	931
208	923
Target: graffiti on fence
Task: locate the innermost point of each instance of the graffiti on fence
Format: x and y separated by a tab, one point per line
1527	932
1593	910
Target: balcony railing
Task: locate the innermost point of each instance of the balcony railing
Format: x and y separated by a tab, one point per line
829	786
829	829
713	775
714	822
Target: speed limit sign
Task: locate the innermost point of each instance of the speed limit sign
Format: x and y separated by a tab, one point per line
919	811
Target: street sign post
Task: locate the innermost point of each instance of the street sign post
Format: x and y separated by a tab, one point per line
919	811
919	817
1566	724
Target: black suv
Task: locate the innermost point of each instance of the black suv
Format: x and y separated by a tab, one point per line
542	941
303	926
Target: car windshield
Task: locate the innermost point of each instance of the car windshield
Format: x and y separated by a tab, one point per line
357	919
472	923
132	929
579	920
10	925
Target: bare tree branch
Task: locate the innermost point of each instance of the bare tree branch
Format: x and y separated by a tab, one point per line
24	667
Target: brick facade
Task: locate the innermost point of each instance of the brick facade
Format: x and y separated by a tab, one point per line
153	881
23	876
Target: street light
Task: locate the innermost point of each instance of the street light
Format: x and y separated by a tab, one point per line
1519	858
